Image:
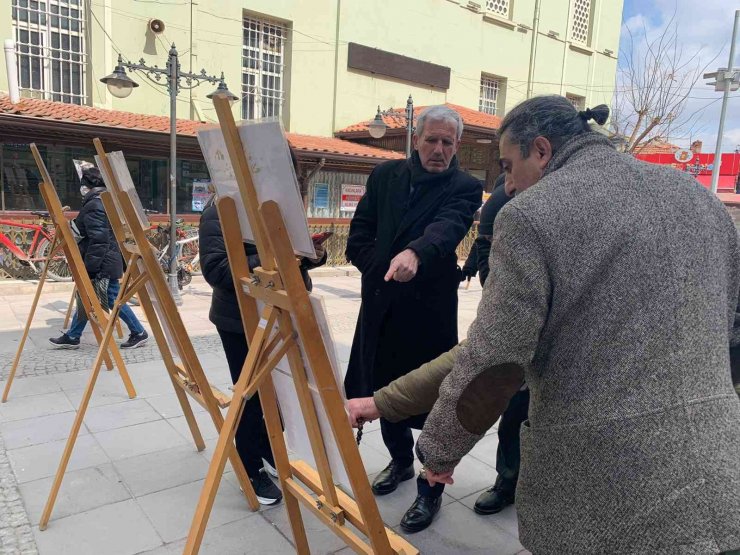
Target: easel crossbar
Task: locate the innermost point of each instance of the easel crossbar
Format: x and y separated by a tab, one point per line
269	296
308	476
192	389
271	363
330	518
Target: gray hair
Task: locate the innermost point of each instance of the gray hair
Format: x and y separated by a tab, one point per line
552	117
438	113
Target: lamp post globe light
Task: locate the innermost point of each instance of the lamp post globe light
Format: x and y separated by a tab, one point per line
120	85
377	126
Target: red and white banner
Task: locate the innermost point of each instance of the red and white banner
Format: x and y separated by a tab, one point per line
351	195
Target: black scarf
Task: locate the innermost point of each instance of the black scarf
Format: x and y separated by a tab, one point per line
421	178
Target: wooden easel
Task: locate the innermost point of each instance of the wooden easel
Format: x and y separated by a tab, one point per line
286	318
70	311
64	240
145	279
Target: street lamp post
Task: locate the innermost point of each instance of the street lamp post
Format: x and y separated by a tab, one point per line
120	85
726	80
377	127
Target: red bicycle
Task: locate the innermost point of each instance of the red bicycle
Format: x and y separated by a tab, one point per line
36	254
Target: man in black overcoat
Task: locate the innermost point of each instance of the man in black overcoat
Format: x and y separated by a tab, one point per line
402	239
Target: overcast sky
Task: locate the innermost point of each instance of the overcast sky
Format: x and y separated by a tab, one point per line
705	25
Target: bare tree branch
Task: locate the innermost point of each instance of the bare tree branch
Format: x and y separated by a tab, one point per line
654	82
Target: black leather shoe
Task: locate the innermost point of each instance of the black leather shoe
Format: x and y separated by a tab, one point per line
392	475
496	498
421	514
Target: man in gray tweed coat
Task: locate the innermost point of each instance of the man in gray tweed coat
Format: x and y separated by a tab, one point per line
613	290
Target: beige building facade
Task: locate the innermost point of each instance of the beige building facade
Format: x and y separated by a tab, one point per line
321	65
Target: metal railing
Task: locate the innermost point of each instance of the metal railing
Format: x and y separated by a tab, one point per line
335	245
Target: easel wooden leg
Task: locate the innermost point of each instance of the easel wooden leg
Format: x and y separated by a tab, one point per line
107	335
215	473
16	360
310	335
225	445
113	319
187	411
169	363
268	399
70	309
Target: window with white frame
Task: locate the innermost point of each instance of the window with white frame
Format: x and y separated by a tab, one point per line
581	21
490	94
579	102
50	47
263	65
498	7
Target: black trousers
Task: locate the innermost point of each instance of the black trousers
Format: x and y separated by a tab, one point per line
400	443
508	454
252	441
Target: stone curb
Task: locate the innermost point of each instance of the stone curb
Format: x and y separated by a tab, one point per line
10	287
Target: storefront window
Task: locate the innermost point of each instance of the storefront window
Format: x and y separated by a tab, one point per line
191	176
150	177
19	178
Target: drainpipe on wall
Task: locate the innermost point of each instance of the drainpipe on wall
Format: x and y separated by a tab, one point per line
12	67
533	49
108	42
566	39
336	69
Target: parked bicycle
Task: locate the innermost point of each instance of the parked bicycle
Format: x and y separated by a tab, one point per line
36	254
186	250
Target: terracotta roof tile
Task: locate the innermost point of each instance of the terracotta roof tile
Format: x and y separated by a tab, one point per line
397	119
87	115
338	146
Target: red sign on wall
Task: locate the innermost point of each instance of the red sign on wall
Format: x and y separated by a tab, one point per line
351	195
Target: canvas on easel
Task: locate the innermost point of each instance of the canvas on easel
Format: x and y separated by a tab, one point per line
273	176
144	278
64	240
281	322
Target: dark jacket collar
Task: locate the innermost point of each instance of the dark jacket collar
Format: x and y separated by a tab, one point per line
577	146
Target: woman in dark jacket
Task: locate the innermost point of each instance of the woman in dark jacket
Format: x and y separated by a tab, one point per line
251	439
103	263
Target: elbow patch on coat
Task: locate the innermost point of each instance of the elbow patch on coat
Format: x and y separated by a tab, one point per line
487	396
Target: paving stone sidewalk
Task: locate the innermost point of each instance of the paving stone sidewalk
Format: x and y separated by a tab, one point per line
134	477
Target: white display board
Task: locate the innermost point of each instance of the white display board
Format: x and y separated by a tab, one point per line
268	156
296	434
123	177
295	426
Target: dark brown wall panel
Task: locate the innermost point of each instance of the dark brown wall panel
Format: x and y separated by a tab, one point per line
397	66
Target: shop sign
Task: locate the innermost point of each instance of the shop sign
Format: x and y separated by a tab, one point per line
201	194
351	195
